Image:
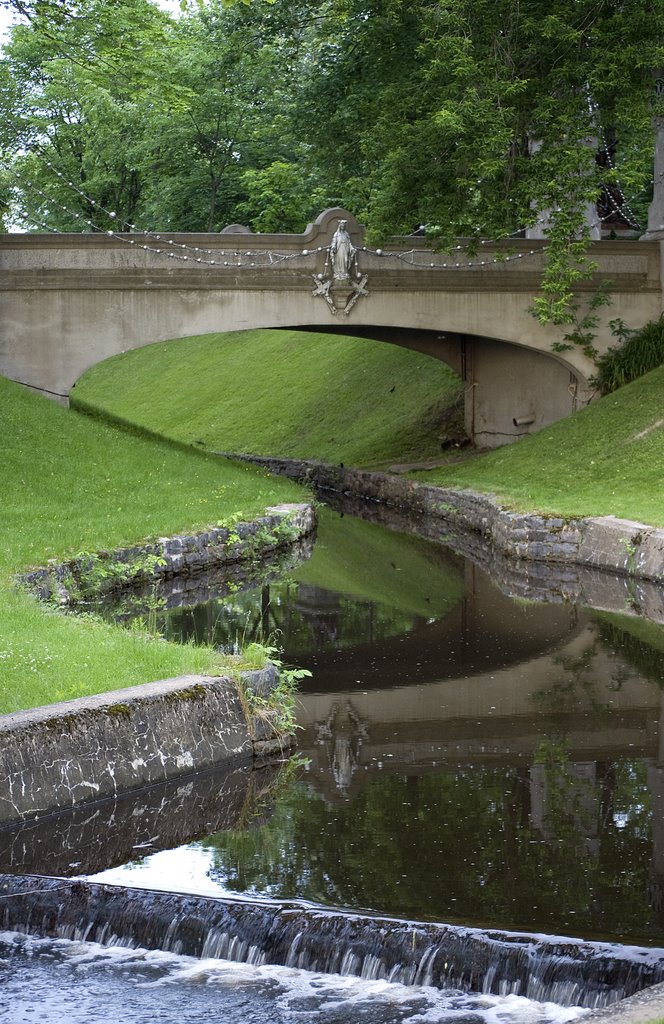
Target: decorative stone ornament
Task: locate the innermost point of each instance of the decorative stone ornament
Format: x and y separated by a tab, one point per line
341	283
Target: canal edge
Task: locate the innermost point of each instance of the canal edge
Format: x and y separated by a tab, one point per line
607	543
92	574
96	747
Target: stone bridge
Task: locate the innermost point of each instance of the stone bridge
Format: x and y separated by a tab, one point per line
72	300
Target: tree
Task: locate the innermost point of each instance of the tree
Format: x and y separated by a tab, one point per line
476	117
234	125
184	132
76	97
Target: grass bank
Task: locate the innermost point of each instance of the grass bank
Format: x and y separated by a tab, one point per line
371	404
71	484
608	459
296	394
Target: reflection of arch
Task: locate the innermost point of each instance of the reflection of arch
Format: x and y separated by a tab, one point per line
484	631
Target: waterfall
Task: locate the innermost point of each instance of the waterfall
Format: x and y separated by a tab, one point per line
567	971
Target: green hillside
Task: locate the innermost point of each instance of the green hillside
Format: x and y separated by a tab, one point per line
71	484
292	393
607	459
371	404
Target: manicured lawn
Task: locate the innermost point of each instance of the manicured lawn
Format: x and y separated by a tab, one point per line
607	459
292	393
71	484
371	404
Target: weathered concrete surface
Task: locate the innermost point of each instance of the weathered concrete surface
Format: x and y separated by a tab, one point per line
87	839
99	573
638	550
616	545
90	748
71	301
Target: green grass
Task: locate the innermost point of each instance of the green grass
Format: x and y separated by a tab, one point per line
283	393
607	459
330	398
71	484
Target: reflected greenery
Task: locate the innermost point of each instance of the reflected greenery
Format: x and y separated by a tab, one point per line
362	584
545	822
372	563
639	642
466	849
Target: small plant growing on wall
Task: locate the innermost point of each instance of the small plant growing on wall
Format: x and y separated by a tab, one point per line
278	707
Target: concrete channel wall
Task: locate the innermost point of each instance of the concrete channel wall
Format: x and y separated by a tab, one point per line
604	542
93	748
55	757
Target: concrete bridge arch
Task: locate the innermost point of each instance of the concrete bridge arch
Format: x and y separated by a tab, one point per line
72	300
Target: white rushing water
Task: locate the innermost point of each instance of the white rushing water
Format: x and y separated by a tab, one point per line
48	981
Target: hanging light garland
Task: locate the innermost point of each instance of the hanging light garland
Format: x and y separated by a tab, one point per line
261	258
251	259
624	207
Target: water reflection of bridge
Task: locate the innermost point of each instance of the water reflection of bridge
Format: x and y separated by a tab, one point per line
483	630
581	696
497	716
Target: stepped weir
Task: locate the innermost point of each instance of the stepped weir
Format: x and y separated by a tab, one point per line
570	972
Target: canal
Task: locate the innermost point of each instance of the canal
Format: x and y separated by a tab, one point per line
463	757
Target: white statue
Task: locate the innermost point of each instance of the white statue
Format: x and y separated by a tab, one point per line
342	251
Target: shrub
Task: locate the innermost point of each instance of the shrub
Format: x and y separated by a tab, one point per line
639	352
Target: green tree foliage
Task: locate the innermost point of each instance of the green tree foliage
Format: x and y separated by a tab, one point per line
78	98
473	117
476	117
180	125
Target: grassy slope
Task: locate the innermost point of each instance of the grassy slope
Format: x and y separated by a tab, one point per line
325	397
608	459
269	392
70	484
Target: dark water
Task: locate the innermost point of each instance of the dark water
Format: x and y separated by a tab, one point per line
464	757
470	758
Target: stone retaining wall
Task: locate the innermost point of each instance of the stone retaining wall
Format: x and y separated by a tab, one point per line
56	757
617	545
98	573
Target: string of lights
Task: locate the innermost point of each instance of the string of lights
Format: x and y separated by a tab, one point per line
240	258
542	221
624	207
256	258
